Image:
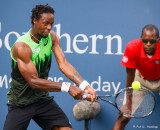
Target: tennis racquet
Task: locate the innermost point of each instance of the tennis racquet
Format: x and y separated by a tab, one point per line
132	103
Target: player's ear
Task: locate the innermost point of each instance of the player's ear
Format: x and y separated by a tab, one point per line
34	21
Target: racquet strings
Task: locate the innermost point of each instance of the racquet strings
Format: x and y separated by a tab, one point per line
135	103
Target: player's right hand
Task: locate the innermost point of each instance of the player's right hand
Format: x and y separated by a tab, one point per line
75	92
126	109
92	94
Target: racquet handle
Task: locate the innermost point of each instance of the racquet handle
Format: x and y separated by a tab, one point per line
85	95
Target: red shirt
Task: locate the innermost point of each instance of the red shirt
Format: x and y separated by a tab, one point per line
135	57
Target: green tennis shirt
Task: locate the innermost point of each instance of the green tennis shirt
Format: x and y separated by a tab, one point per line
20	92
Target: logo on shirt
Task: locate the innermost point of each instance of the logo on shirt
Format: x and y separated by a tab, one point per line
125	59
157	62
36	50
46	43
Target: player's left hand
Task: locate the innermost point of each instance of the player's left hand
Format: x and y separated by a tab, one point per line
75	92
89	90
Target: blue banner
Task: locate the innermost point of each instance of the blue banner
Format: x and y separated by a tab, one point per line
93	36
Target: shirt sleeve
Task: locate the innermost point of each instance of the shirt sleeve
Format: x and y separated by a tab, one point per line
129	57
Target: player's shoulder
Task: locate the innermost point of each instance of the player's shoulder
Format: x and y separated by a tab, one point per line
158	45
134	44
21	47
53	33
54	37
21	50
22	41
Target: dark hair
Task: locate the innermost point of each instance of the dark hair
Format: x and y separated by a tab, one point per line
151	27
40	9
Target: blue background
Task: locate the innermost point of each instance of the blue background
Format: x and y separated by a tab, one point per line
124	18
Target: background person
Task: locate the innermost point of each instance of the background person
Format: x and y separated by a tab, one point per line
28	97
142	61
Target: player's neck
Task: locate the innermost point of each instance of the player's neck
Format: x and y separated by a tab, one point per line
34	37
149	56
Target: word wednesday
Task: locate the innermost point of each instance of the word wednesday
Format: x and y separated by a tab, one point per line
97	85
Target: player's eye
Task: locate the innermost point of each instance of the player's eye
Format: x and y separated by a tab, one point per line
152	41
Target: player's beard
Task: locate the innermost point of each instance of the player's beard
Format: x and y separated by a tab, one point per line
43	36
149	51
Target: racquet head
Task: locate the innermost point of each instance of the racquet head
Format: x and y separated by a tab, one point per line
135	103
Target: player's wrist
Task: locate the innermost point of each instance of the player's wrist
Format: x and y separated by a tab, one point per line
83	85
65	86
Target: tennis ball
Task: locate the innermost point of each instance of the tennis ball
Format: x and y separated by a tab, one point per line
136	85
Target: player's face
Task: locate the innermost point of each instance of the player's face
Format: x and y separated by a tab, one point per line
149	40
44	24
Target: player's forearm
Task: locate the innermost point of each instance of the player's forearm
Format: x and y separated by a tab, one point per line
75	77
130	76
46	85
129	81
72	74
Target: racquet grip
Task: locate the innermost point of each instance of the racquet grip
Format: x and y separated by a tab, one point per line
85	95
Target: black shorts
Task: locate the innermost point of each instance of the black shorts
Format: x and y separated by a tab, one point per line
46	113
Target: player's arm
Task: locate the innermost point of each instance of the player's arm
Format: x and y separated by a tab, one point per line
22	53
130	76
130	79
66	67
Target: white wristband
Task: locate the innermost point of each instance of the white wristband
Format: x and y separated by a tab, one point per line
83	85
65	86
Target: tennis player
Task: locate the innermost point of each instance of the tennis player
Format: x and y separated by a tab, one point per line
28	97
142	61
